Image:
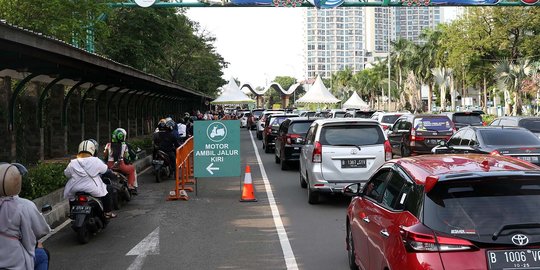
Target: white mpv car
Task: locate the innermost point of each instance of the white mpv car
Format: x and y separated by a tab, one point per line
338	152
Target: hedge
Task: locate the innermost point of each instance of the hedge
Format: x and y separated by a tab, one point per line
43	179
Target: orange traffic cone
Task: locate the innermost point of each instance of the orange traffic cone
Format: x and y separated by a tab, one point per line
247	192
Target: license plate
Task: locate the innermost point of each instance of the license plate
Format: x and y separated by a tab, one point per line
514	259
353	163
81	209
533	159
160	162
433	141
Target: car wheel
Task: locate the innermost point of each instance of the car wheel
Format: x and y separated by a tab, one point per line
303	183
313	196
405	152
350	250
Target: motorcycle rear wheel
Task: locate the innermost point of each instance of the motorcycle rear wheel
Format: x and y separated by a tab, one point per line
83	234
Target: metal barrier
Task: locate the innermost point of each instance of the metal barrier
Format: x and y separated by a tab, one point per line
184	171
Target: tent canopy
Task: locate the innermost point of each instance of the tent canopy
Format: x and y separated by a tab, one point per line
355	101
232	95
318	94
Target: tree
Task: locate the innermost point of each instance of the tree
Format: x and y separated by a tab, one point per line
442	78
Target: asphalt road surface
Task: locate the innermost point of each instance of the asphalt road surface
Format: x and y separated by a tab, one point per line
213	230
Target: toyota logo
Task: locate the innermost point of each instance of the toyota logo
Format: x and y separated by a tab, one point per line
520	240
354	151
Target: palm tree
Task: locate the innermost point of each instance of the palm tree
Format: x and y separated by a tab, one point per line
401	52
427	55
442	77
511	76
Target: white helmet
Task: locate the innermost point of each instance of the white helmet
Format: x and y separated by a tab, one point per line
87	146
10	179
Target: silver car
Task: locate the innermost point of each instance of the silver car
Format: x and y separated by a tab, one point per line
338	152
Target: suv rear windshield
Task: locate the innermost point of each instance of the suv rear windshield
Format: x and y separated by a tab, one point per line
477	208
531	124
351	134
390	119
299	127
432	123
468	118
508	137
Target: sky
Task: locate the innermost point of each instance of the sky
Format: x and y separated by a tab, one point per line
259	43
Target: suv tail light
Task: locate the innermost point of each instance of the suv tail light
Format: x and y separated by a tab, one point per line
317	153
387	150
82	198
414	137
292	138
384	127
419	238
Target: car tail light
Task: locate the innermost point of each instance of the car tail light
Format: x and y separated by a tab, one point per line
414	137
495	153
484	123
292	138
419	238
387	150
317	153
384	127
82	198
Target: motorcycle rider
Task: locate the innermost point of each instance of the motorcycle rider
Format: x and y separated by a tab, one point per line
165	141
118	153
21	224
84	176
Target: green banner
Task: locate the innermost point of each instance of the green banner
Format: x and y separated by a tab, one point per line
217	148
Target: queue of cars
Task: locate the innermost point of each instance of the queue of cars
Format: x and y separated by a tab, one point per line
466	207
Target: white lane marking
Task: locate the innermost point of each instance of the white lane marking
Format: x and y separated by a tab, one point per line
148	246
61	226
288	253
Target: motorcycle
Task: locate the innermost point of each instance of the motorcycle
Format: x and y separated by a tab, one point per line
87	215
161	163
117	185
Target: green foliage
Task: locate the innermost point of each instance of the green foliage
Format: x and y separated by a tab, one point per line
488	118
43	179
144	143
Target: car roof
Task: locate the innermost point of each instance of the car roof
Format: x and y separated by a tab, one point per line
452	166
346	120
496	127
518	117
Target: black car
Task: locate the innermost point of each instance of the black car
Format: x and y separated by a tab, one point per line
419	133
271	128
290	139
530	123
463	119
507	141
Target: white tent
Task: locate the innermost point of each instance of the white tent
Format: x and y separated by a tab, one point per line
356	102
231	94
318	94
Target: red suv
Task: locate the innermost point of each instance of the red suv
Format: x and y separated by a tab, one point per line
446	212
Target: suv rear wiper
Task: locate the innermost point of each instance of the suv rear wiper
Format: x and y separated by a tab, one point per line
348	145
514	226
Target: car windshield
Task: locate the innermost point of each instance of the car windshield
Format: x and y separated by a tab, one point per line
473	208
468	119
299	127
432	123
508	137
351	134
531	124
390	119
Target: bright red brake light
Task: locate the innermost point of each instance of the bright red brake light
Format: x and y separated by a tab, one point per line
317	153
419	238
414	137
292	138
82	198
387	150
384	127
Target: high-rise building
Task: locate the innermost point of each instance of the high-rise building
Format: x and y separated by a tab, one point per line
355	37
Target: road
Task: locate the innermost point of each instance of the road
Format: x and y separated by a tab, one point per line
213	230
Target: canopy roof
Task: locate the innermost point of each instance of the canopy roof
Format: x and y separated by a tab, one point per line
231	94
318	94
355	101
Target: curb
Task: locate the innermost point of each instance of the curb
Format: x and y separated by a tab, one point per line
60	206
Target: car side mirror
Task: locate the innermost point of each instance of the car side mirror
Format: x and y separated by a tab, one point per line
352	190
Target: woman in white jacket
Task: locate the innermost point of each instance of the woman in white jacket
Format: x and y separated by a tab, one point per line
84	176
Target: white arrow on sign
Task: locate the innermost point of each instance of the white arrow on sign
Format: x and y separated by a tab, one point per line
148	246
210	169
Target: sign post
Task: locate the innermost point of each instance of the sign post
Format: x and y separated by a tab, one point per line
217	148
